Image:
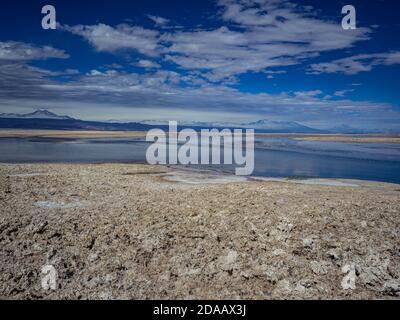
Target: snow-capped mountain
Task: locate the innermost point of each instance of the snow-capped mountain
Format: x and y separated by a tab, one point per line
45	119
267	125
289	126
38	114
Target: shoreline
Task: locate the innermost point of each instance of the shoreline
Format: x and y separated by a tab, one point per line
355	138
216	172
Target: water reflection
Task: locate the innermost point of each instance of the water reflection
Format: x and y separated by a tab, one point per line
275	157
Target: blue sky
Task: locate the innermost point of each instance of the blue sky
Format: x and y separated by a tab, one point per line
225	61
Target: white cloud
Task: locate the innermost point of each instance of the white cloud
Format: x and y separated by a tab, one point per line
258	35
95	73
19	51
19	79
148	64
162	88
110	39
307	94
187	95
159	21
209	61
343	93
358	63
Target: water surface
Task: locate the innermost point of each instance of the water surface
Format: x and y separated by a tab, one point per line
274	156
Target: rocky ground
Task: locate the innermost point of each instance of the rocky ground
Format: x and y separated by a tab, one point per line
143	232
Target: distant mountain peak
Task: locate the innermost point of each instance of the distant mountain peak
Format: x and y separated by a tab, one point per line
40	113
276	125
263	125
39	110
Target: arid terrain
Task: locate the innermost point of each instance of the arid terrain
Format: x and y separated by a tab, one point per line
148	232
67	134
17	133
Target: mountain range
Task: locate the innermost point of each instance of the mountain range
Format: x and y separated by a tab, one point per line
45	119
38	114
286	126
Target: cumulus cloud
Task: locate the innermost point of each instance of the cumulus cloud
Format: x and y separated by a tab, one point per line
258	35
111	39
254	36
187	95
163	89
148	64
18	79
356	64
19	51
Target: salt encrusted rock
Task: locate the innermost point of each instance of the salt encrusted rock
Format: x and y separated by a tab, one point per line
334	254
392	287
320	267
228	261
278	252
364	224
93	257
40	227
286	226
156	239
308	243
282	288
106	295
349	280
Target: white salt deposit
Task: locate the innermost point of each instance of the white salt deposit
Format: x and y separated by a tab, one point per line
59	205
324	182
202	178
23	175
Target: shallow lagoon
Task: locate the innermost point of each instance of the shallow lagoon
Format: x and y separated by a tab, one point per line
274	156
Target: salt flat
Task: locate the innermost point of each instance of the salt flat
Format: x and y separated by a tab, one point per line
68	134
144	235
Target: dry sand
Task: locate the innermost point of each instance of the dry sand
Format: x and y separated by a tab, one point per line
147	232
